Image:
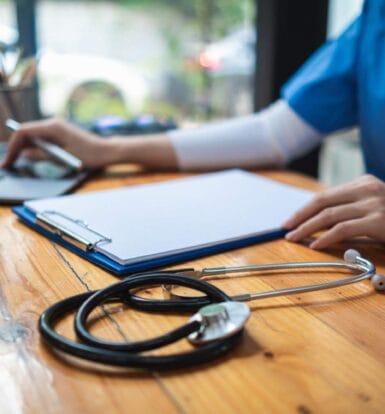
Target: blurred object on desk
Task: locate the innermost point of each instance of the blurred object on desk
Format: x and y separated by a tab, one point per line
17	88
17	102
140	125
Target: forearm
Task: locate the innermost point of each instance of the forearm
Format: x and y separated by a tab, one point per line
271	137
152	152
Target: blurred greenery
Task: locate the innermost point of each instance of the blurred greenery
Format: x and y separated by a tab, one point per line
223	14
94	99
220	15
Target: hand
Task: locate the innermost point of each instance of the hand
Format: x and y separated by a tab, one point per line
84	145
350	210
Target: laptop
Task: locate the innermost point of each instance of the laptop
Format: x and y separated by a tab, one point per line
31	180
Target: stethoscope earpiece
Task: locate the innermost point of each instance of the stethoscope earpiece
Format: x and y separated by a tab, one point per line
351	255
378	282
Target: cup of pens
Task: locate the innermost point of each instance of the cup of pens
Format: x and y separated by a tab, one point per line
18	99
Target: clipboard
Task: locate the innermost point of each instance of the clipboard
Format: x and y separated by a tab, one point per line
105	242
85	249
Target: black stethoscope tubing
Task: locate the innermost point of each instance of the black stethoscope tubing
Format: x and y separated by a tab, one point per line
126	354
185	303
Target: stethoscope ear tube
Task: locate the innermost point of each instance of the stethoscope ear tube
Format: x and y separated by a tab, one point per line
129	354
361	268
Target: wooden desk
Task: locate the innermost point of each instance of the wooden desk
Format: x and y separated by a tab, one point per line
319	352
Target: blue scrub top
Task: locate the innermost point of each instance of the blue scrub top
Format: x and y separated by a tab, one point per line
343	85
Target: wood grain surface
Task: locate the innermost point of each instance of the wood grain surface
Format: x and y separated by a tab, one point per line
320	352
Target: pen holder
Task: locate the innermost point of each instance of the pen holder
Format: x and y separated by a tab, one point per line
18	103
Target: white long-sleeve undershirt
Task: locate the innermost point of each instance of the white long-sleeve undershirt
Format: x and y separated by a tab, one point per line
271	137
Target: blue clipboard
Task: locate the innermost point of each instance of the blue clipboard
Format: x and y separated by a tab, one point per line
106	263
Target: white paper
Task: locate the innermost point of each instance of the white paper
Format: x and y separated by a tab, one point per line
156	220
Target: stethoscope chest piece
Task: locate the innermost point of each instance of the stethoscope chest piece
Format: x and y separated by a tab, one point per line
218	321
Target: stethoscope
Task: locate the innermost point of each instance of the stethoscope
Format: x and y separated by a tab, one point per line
214	330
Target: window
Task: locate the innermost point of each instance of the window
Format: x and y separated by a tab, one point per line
341	13
188	59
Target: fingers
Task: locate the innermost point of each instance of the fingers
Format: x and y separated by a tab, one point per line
351	210
325	219
34	154
339	195
47	130
343	231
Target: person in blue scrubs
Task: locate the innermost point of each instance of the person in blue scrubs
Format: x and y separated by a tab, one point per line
340	86
343	85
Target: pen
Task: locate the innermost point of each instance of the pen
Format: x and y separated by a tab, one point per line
57	153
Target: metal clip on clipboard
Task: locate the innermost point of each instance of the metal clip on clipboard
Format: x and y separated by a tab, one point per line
45	220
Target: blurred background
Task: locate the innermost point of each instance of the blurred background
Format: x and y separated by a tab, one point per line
185	61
